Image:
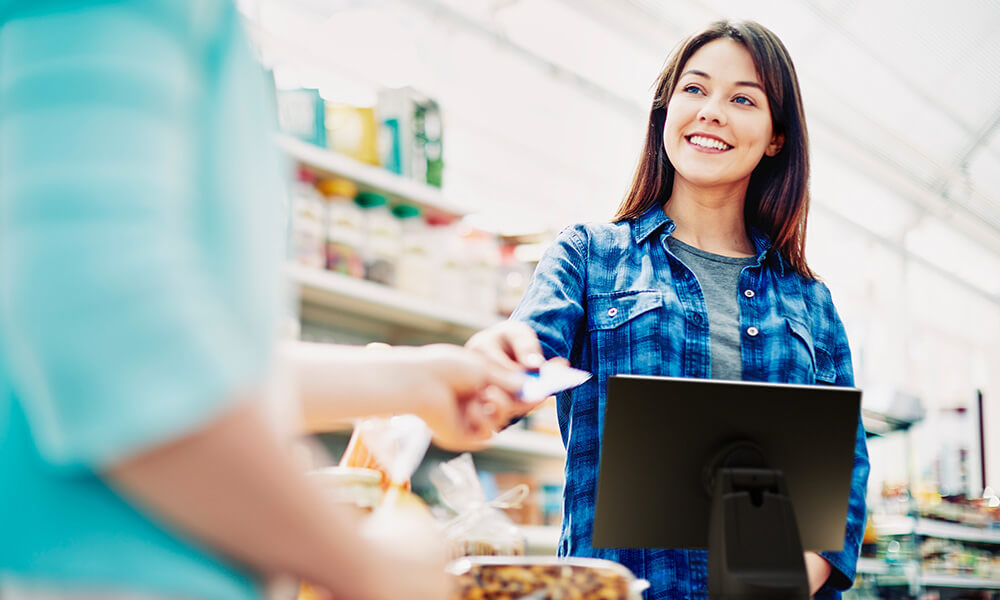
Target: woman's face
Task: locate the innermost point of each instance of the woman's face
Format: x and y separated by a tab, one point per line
718	123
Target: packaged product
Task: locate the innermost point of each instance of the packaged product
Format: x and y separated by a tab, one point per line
376	443
344	222
400	523
308	216
483	267
544	578
451	263
380	246
352	130
480	527
415	269
513	276
402	520
301	113
411	135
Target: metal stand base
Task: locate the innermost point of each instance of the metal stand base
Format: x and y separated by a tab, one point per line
754	546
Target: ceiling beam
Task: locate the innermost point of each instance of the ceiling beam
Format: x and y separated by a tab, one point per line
979	140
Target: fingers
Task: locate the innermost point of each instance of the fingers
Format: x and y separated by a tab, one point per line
521	408
489	411
509	380
559	361
511	345
499	354
524	345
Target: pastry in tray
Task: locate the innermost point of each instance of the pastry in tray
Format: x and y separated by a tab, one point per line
543	578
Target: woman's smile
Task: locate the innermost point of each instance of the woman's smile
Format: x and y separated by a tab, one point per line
708	144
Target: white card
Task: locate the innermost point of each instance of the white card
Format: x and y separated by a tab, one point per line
551	379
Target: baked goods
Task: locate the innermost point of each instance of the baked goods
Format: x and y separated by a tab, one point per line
543	578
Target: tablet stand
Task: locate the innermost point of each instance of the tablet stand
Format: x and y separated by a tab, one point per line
754	548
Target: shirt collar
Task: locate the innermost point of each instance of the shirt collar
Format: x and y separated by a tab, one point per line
651	220
654	218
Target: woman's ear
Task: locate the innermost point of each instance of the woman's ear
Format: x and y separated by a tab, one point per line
777	142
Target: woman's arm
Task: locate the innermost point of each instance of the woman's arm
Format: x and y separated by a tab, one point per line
844	563
546	321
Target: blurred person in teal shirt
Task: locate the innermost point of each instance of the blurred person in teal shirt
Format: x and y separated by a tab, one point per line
140	293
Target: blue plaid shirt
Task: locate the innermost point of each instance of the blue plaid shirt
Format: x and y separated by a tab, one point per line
613	299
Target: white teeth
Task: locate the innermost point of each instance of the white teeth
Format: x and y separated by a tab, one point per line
705	142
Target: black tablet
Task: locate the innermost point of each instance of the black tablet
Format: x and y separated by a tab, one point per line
661	432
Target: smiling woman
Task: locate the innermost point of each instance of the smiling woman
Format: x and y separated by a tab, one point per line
701	274
731	87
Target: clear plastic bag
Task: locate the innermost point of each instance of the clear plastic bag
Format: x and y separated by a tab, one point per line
480	528
395	447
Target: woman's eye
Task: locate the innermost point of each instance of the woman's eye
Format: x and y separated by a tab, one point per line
744	100
692	89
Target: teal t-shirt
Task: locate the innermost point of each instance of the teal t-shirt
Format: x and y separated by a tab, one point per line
139	273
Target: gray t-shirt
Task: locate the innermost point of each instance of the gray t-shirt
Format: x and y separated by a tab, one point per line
719	277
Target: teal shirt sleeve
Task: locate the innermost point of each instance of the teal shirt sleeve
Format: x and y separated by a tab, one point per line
135	303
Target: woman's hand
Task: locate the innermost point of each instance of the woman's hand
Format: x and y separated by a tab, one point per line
817	570
512	345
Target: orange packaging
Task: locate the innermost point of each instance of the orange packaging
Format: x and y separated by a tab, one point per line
358	455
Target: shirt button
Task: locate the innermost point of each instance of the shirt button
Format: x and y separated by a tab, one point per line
612	311
748	293
752	331
696	319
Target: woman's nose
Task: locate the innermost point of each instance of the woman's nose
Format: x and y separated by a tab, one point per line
711	112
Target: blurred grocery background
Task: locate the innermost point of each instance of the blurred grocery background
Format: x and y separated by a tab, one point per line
437	146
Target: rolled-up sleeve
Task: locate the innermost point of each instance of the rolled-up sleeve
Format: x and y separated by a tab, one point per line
114	330
553	304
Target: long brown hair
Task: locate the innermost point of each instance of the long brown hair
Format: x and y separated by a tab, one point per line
777	199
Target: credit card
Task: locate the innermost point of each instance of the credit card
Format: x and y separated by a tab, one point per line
551	379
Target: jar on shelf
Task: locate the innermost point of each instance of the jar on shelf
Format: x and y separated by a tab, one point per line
343	227
451	264
414	271
380	246
308	215
513	277
482	274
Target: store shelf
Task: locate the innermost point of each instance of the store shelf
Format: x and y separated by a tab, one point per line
877	424
541	539
377	302
511	443
368	176
938	529
892	580
959	581
527	443
873	566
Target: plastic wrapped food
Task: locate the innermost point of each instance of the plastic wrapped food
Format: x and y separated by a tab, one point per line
543	578
480	528
394	447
